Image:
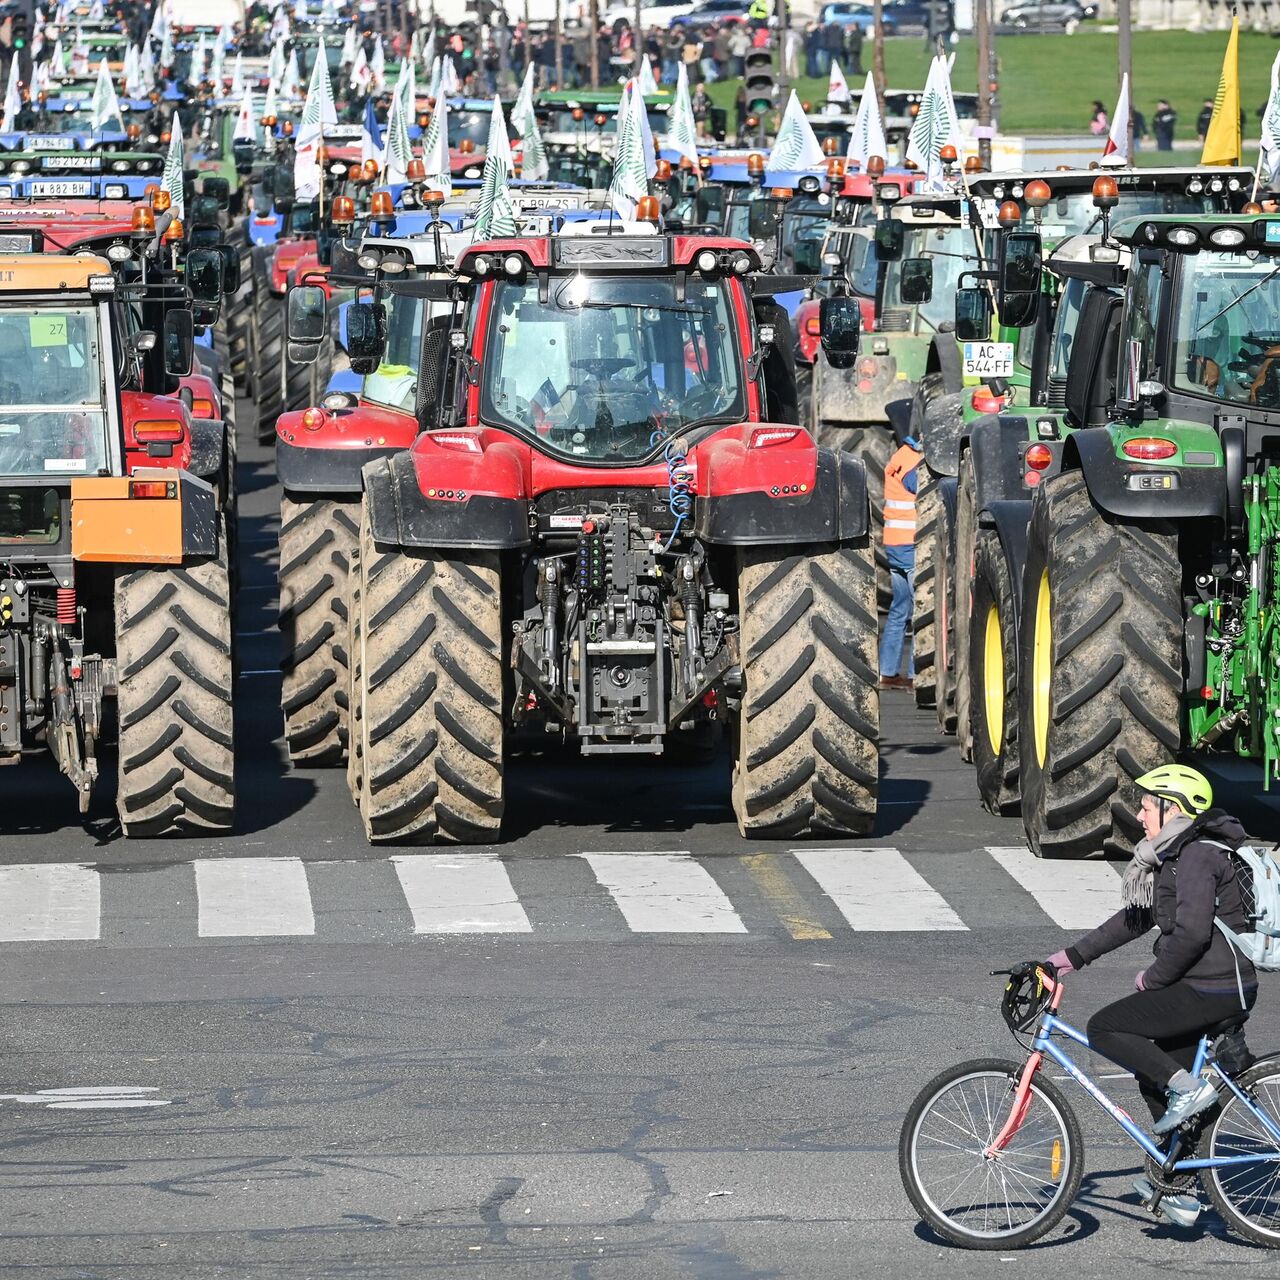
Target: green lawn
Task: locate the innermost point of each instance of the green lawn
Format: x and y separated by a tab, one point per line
1047	83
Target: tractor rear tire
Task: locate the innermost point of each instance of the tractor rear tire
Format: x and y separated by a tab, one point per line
806	750
944	623
960	601
804	393
1101	670
929	510
429	696
173	698
993	651
316	542
355	710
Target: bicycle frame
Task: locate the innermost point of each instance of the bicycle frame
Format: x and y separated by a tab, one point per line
1051	1025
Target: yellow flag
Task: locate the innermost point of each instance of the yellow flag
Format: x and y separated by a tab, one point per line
1222	138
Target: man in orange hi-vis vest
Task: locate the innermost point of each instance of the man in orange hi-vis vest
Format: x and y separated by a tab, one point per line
900	548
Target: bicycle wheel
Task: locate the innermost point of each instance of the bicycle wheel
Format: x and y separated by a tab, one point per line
1247	1197
1004	1201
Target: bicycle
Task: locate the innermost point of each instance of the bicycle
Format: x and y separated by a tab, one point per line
1011	1126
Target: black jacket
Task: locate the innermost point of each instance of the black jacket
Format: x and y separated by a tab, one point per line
1194	881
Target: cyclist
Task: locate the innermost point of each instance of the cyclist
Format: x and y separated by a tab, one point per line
1179	879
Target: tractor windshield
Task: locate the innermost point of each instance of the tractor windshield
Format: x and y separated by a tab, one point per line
1075	213
1227	336
609	365
52	413
952	251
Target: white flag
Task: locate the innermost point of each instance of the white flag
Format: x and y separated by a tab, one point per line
838	86
633	165
648	85
276	62
105	106
496	215
133	73
1270	144
168	53
216	67
95	11
317	112
79	55
523	109
246	124
237	76
378	64
291	83
360	73
435	150
199	62
159	24
796	146
682	130
270	107
395	140
936	124
450	85
12	100
58	58
349	47
1117	149
867	138
172	181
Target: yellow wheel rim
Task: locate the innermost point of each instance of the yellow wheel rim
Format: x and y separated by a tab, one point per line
993	680
1042	668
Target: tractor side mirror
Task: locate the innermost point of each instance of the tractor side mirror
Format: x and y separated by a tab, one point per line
219	189
366	335
283	190
179	342
891	235
917	280
243	152
807	256
306	321
204	270
1020	262
840	322
973	315
763	216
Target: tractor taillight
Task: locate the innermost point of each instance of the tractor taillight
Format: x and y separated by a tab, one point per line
313	419
153	488
203	408
1149	449
766	437
1039	456
986	401
159	431
462	441
813	326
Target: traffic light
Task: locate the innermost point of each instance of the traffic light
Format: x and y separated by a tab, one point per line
20	28
759	82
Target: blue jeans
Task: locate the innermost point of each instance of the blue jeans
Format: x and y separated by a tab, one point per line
902	574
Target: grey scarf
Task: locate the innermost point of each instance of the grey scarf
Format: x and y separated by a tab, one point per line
1139	874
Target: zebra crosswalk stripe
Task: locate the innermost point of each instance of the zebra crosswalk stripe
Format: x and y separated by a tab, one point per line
467	892
41	902
253	898
878	890
665	893
1074	895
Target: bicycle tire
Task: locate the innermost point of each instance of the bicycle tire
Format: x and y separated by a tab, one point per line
1215	1141
1068	1180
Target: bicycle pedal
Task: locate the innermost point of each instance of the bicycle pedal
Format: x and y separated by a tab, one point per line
1178	1210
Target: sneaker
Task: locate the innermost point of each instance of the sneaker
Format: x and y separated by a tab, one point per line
895	682
1180	1210
1182	1106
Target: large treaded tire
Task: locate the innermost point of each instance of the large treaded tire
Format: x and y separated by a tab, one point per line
270	369
944	622
430	688
1110	678
806	751
960	602
923	611
316	542
174	698
995	719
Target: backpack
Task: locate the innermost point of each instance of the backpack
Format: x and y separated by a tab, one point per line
1258	875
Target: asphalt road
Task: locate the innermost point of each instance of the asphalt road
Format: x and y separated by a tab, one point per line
286	1054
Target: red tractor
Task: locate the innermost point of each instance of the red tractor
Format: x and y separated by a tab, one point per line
608	530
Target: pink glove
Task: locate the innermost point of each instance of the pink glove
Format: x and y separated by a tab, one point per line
1140	982
1061	962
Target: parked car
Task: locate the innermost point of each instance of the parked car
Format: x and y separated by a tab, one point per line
712	11
899	15
1044	13
653	13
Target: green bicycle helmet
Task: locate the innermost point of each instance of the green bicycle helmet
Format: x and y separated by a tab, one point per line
1187	788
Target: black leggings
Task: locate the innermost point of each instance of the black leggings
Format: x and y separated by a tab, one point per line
1154	1033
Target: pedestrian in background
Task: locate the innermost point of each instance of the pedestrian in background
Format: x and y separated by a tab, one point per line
1098	123
853	50
900	483
1163	123
1202	120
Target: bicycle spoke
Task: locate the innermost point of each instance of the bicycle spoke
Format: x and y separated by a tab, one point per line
1252	1191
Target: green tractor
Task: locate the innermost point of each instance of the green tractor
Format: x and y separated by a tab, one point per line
1133	615
998	372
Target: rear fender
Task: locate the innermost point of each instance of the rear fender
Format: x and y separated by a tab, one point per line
1194	491
780	494
433	496
995	445
944	358
941	433
1010	520
141	406
208	448
329	458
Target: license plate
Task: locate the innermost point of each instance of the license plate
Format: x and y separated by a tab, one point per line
547	202
988	359
49	142
59	188
72	162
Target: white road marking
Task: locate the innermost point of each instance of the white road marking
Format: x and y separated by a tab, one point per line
1074	895
253	898
460	893
49	901
878	890
665	893
93	1097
